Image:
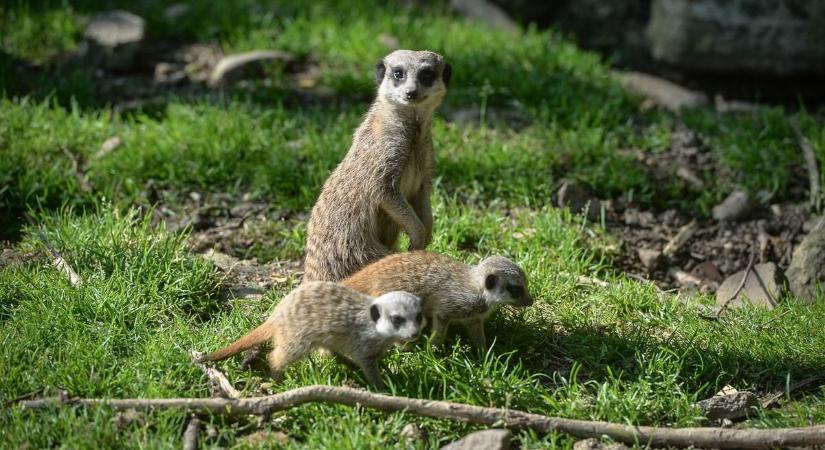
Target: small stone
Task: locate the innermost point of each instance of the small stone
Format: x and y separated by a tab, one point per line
175	11
495	439
595	444
650	258
108	146
732	406
113	39
807	268
707	271
262	437
232	67
578	199
735	207
412	432
764	285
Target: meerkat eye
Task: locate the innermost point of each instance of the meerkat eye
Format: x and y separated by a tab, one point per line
398	321
398	74
426	77
515	290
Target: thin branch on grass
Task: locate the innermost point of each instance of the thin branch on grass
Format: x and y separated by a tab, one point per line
514	419
218	383
59	262
774	398
584	279
810	162
191	434
738	288
78	170
682	236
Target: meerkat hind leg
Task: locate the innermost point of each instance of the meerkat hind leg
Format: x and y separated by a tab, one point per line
439	331
280	357
475	332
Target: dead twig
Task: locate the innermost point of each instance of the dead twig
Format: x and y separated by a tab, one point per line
682	236
810	162
78	170
584	279
772	399
738	288
514	419
218	383
59	262
191	434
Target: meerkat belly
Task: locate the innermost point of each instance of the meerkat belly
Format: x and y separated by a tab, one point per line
410	182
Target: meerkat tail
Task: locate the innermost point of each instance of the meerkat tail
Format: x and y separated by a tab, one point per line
255	337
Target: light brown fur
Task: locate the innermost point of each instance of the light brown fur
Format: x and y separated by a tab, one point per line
342	320
383	184
451	291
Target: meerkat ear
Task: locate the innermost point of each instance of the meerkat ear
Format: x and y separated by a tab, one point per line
446	74
374	313
380	69
490	282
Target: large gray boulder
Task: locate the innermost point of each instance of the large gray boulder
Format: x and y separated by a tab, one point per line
807	268
768	37
113	39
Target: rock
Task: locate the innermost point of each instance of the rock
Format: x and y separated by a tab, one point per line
735	36
764	285
734	207
232	67
175	11
113	39
650	258
412	432
707	271
485	12
807	267
731	406
662	92
595	444
108	146
684	279
577	198
495	439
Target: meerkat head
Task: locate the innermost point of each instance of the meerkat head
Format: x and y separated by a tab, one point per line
398	315
503	282
413	79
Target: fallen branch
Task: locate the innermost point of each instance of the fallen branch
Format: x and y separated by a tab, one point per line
218	383
682	236
191	434
810	163
774	398
59	262
514	419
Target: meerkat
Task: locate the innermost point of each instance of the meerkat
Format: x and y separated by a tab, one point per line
383	184
451	291
348	323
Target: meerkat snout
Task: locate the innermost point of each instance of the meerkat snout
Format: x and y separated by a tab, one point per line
410	78
504	282
398	314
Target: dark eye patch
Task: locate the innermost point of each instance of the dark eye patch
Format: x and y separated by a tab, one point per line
515	290
398	73
426	77
398	321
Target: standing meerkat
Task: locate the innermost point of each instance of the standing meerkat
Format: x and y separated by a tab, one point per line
328	315
451	291
383	184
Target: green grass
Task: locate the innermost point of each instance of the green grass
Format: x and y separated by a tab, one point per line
620	354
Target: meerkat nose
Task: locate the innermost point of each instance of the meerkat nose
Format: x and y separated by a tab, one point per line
411	95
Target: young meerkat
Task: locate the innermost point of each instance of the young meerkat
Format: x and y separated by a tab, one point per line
346	322
383	184
451	291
